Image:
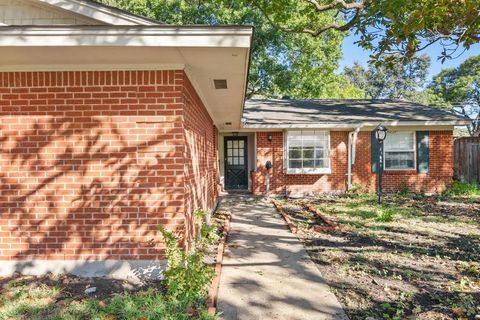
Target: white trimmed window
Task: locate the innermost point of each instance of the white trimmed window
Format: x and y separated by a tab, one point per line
308	152
400	151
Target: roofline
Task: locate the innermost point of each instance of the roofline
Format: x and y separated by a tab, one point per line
326	125
159	35
101	12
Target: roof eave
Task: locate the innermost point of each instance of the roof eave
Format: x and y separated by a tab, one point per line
326	125
162	35
101	12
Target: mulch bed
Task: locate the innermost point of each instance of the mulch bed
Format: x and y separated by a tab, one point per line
73	287
421	267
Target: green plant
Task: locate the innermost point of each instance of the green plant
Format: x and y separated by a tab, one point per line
355	189
385	214
187	276
462	189
472	268
404	190
396	311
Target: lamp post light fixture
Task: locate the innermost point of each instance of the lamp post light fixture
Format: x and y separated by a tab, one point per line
380	135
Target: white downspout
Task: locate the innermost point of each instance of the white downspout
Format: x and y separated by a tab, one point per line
352	146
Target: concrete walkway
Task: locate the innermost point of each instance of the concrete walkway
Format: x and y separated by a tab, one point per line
267	274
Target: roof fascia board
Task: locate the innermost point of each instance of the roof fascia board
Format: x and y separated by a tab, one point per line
356	125
163	36
100	12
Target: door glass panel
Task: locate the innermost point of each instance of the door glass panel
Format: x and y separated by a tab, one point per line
236	174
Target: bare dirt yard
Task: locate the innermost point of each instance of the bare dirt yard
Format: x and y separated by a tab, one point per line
414	257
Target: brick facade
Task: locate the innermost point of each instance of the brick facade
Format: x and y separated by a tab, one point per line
92	162
440	171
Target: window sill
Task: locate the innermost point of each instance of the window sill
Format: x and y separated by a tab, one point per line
399	171
312	172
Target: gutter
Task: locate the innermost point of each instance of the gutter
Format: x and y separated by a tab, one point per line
233	36
333	125
352	148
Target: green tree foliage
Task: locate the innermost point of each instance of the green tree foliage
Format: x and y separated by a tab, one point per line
384	26
458	89
282	64
399	81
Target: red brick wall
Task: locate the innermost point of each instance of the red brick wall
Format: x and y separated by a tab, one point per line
439	176
440	172
92	162
281	183
200	154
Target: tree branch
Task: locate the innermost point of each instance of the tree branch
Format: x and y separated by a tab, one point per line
356	6
338	3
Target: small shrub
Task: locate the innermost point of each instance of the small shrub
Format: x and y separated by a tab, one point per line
404	190
385	214
472	268
355	189
462	189
187	276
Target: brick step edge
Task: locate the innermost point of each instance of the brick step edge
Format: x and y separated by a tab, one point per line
213	291
285	216
330	224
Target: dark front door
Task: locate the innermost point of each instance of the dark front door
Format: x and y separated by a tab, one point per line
236	172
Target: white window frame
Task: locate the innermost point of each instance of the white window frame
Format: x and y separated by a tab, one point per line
288	170
414	153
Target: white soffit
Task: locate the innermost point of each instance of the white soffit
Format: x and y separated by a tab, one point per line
205	53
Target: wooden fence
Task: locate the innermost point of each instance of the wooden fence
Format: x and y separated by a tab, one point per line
467	159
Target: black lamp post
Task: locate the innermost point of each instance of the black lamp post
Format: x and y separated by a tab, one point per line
380	135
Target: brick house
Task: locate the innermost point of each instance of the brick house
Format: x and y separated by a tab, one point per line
112	124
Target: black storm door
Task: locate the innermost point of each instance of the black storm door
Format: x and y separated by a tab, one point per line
236	170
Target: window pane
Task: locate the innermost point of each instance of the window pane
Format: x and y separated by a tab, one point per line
240	152
320	164
308	153
229	152
398	141
295	153
295	164
241	161
235	144
320	153
309	141
241	143
235	152
399	160
295	141
308	164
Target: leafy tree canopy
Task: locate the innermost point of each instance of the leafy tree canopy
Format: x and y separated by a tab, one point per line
399	81
283	64
458	89
398	27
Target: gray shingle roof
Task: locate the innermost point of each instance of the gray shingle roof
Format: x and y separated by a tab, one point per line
341	112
